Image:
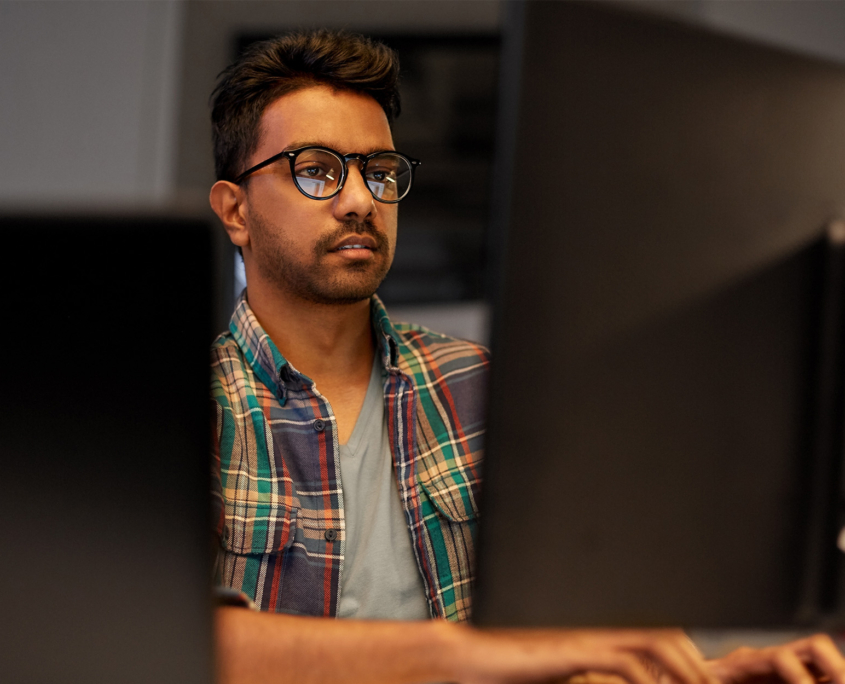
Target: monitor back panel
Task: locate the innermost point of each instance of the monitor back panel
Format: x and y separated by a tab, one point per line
656	338
105	575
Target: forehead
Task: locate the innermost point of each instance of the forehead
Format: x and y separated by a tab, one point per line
343	120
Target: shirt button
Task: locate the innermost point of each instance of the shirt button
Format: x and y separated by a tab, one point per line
319	425
331	535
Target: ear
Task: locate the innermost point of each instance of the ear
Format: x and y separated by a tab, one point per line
228	202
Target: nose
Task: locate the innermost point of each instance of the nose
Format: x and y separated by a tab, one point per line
354	201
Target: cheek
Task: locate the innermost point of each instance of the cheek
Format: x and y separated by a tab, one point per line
390	224
293	224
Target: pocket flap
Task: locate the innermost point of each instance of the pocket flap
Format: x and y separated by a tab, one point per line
258	527
453	495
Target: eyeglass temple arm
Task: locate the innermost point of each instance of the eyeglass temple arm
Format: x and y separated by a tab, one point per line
259	166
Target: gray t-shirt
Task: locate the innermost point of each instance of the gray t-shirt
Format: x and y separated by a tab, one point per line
380	577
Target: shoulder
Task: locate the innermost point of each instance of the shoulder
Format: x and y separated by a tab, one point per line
425	350
224	343
225	351
229	369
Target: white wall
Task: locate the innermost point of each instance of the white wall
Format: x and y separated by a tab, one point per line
87	101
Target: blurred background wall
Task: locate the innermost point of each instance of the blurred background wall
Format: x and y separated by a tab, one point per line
105	104
88	101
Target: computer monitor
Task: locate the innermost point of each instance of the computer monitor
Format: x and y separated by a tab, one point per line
106	572
665	420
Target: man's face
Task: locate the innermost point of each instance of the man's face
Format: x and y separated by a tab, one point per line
294	241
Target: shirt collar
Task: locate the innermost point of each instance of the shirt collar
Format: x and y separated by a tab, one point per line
273	369
266	360
386	336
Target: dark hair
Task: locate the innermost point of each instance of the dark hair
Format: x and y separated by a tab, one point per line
275	67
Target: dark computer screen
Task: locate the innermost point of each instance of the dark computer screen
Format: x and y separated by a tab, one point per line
666	404
106	561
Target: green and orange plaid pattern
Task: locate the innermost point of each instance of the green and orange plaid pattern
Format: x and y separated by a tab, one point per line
278	500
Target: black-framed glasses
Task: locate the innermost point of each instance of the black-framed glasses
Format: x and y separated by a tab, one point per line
320	172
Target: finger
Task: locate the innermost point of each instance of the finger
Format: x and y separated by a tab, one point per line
592	678
823	653
594	657
739	665
691	647
675	654
628	667
695	656
789	666
669	652
678	638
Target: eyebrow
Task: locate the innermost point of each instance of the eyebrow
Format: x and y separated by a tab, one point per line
299	144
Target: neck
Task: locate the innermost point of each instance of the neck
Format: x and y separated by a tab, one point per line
323	341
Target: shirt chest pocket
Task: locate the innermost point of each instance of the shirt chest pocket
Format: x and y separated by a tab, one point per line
453	494
451	533
256	543
258	528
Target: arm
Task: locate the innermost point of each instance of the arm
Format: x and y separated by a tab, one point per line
261	647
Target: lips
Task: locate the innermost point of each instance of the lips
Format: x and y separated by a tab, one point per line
355	242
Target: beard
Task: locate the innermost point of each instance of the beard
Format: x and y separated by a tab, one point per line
316	280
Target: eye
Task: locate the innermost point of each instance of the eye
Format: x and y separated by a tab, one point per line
314	170
381	175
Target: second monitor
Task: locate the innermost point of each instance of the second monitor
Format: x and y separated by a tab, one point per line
665	421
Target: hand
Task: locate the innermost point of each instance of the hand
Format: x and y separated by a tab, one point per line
806	661
606	656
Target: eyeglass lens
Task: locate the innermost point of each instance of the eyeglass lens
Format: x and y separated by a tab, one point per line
318	172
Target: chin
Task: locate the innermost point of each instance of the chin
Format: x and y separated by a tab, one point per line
339	298
328	286
351	287
343	293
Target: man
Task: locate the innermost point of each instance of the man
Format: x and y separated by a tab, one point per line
348	447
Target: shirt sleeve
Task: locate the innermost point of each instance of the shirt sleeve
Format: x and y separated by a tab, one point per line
227	596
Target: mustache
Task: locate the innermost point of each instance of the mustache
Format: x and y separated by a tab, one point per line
325	243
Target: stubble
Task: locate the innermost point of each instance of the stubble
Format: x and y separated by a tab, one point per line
317	279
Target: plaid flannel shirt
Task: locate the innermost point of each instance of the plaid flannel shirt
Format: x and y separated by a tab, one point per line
277	495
